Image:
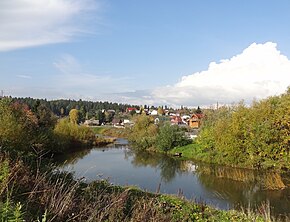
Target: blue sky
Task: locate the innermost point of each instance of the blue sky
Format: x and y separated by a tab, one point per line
145	52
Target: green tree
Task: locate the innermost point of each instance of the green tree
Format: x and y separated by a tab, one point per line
46	118
101	116
143	133
198	110
170	136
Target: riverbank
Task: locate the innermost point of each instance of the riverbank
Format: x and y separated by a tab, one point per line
56	196
195	152
111	131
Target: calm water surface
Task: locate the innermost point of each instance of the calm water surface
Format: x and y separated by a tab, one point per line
221	187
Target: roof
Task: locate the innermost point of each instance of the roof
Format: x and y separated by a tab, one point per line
197	115
176	119
130	109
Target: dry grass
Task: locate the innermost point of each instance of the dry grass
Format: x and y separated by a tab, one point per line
61	198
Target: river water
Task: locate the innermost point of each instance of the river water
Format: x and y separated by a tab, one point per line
221	187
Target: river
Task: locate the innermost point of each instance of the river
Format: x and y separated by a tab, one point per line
221	187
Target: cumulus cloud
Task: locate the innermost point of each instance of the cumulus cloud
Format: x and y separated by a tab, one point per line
258	72
26	23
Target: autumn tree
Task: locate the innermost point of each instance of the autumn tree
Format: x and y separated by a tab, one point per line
74	116
143	133
18	126
160	111
256	136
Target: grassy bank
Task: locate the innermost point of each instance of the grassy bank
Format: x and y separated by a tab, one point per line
53	196
111	131
196	152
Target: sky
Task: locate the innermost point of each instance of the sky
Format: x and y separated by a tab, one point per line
153	52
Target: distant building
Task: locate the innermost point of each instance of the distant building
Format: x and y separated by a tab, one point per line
195	120
92	122
130	109
176	120
154	113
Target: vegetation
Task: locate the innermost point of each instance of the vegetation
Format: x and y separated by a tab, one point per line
87	109
143	133
146	135
35	194
169	137
70	135
38	130
250	137
32	190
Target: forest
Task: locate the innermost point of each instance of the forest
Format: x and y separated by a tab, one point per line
62	107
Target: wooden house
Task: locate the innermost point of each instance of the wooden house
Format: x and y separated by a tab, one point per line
195	120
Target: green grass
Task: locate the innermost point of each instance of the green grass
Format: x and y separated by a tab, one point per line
189	151
99	129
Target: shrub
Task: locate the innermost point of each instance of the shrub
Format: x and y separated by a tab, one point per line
143	133
170	136
72	135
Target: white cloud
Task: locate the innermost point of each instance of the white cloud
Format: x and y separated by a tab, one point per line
26	23
68	65
258	72
24	76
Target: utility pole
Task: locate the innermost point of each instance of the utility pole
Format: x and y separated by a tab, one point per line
2	94
217	105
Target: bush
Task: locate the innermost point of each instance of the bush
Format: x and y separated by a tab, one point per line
18	126
171	136
143	133
72	135
255	137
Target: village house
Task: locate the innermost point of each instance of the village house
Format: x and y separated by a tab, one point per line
154	113
130	109
92	122
185	118
195	120
176	120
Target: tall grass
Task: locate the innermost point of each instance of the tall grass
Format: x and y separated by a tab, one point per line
72	135
50	195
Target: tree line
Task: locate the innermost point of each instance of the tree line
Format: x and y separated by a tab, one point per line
37	129
62	107
256	136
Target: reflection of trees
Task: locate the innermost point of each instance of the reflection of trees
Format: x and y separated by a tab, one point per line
128	153
243	186
168	166
266	180
70	158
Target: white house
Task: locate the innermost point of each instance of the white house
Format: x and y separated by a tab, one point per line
154	113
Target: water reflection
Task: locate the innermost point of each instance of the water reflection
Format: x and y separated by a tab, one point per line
223	187
169	167
244	187
72	158
265	179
